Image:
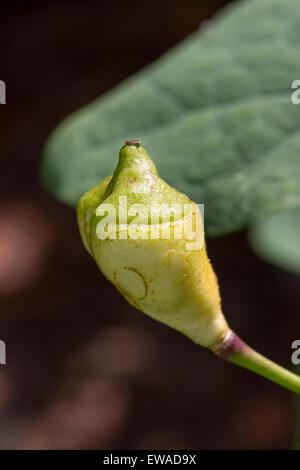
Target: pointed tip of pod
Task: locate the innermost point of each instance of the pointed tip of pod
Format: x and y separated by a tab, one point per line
133	155
136	142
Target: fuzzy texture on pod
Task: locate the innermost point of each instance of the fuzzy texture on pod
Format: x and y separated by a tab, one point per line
161	275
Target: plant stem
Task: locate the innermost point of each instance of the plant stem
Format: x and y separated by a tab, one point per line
232	349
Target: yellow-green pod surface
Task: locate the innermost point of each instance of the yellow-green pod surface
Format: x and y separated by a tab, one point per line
160	265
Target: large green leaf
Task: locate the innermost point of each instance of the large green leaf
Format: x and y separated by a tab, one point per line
215	113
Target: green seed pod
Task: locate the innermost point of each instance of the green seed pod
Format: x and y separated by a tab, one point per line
148	240
165	277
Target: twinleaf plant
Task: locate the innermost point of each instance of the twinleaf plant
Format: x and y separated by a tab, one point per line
158	271
217	114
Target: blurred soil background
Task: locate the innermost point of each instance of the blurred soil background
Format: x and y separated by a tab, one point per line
84	368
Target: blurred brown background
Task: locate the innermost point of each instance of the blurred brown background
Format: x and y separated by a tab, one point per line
84	369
